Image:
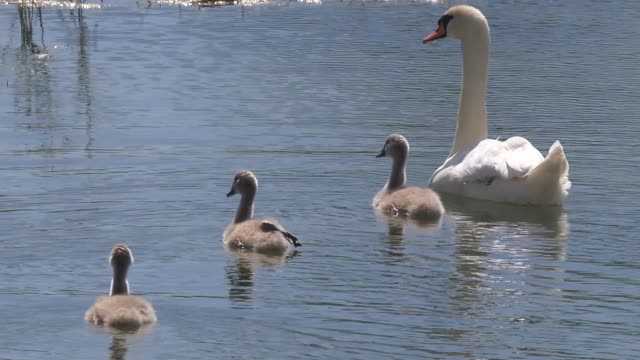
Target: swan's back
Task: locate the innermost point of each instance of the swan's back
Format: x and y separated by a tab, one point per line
121	310
511	171
253	235
414	202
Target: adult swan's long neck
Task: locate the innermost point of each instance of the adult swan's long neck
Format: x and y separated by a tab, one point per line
472	114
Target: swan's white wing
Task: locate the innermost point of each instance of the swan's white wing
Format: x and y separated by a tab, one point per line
487	161
520	157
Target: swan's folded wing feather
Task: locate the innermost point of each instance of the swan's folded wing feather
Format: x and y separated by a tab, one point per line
268	225
520	157
489	160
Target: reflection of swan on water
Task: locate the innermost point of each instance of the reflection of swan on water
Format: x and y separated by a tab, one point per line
395	241
548	222
118	346
494	239
397	226
470	260
240	273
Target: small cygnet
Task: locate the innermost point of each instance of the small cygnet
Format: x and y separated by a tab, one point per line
260	235
120	309
396	198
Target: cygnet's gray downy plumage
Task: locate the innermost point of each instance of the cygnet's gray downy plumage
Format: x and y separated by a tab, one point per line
396	198
120	309
261	235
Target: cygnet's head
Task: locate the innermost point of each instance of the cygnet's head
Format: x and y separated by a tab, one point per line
459	22
121	257
243	182
395	147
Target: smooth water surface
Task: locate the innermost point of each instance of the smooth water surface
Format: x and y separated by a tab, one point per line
126	124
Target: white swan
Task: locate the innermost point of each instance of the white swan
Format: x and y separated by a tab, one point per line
505	171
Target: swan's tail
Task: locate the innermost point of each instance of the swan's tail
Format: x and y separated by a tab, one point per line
551	176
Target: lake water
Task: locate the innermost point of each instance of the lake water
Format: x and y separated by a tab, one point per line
127	122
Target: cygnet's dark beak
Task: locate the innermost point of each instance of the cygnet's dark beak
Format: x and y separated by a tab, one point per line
231	192
382	154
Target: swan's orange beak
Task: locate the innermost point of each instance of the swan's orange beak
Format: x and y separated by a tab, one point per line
438	34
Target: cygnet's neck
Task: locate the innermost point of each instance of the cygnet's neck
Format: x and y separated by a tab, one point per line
245	208
119	283
397	178
472	112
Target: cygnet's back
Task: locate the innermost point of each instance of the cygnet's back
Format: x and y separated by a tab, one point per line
396	198
413	202
120	309
261	235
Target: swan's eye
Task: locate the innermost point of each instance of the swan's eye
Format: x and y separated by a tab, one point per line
444	21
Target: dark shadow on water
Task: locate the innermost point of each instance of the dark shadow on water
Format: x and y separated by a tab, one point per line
240	272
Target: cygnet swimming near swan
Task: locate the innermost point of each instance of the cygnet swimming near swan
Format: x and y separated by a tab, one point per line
120	309
396	198
261	235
